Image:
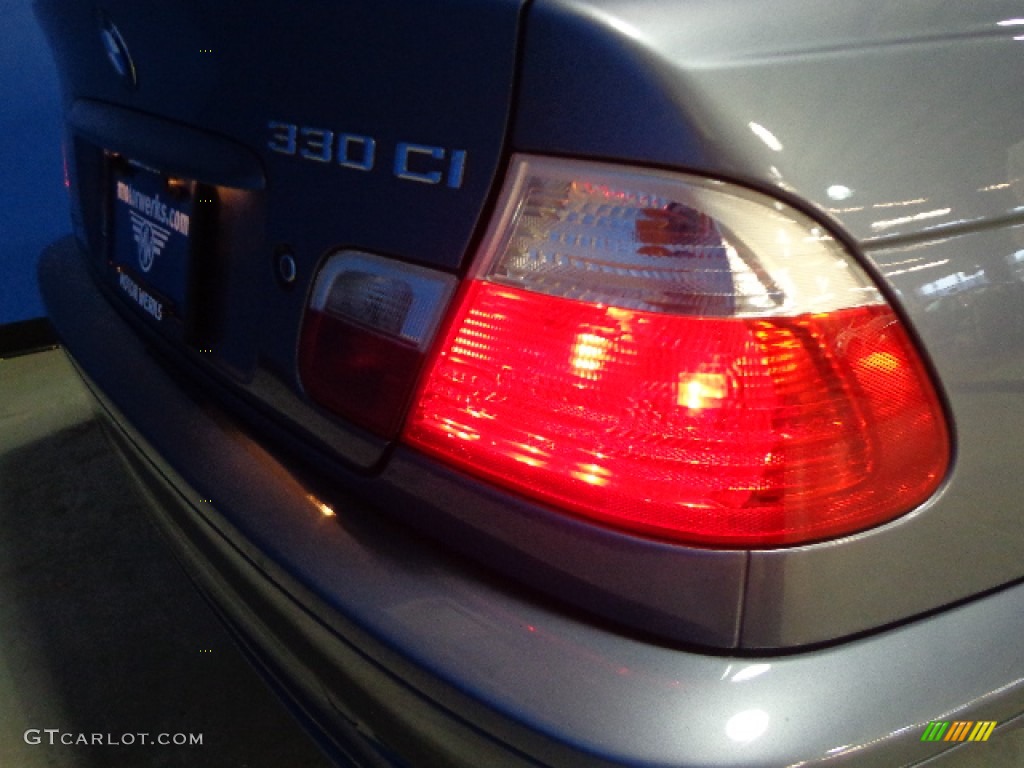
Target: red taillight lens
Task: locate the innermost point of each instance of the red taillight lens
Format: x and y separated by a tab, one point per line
712	430
357	373
684	362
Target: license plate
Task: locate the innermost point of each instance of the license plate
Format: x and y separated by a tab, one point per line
151	243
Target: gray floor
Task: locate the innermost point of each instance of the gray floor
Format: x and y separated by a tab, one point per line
101	634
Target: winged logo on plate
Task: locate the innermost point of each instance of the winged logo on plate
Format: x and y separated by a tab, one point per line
149	238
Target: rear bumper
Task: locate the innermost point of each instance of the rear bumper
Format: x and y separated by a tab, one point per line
403	654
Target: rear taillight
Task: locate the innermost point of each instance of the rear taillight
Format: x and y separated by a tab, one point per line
682	358
367	327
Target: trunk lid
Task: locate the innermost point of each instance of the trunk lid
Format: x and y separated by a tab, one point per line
313	127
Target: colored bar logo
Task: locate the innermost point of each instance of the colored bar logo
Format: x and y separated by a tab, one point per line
958	730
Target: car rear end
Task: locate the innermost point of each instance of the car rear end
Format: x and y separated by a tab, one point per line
568	383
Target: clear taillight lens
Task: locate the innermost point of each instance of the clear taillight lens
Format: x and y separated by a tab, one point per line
682	358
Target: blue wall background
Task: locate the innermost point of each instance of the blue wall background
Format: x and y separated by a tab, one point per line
33	202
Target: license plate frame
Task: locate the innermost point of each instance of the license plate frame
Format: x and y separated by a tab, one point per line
152	239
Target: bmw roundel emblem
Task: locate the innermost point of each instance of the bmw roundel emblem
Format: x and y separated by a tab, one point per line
117	51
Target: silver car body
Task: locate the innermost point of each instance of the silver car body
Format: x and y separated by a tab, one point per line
894	125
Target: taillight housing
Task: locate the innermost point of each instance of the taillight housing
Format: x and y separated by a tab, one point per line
681	358
367	327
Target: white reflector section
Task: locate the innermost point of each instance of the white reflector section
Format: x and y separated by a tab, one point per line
401	300
664	242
